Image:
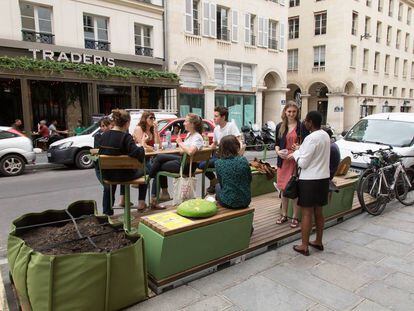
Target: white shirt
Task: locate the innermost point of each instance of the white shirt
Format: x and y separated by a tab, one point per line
313	156
229	129
194	140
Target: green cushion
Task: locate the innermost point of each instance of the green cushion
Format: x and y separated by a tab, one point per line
197	208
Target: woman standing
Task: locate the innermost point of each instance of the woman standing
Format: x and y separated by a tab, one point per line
146	132
289	132
171	162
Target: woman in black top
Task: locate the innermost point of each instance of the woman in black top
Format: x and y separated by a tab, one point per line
118	141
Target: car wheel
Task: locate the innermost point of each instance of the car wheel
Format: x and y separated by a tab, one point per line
82	160
12	165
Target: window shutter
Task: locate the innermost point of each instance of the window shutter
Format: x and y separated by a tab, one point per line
266	32
213	20
235	24
247	28
260	34
282	36
189	16
206	19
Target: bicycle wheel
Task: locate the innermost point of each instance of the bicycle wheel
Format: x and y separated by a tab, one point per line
361	178
404	188
373	196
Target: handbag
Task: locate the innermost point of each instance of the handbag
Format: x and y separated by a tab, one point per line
292	187
184	187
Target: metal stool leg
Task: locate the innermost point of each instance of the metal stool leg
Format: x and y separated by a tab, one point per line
127	210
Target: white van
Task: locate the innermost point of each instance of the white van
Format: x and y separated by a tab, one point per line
75	150
379	131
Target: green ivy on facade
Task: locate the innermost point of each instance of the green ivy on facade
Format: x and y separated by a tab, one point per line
90	70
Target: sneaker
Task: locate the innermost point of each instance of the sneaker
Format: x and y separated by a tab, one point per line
211	189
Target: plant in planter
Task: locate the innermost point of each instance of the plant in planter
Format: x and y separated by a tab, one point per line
73	260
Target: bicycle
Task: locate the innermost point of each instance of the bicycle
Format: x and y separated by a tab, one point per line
387	183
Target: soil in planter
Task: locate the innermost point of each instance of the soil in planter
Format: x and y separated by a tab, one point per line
61	240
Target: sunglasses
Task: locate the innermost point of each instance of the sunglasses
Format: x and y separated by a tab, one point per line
152	118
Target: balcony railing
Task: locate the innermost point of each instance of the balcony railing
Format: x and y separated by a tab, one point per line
196	28
144	51
42	37
252	40
318	69
97	45
223	34
272	44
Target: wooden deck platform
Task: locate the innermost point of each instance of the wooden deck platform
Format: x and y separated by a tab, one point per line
266	234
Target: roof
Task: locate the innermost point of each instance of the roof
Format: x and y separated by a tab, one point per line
395	116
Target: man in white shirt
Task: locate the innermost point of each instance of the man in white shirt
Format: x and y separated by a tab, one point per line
223	128
312	157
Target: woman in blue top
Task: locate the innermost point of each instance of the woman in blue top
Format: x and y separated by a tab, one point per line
234	175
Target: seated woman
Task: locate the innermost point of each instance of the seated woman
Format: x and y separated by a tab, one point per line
171	162
146	132
234	175
117	141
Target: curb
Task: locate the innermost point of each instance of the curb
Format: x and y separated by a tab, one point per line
43	166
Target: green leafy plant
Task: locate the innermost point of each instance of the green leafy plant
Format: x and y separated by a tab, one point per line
90	70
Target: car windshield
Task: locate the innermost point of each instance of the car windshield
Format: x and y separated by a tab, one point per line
387	132
90	129
161	124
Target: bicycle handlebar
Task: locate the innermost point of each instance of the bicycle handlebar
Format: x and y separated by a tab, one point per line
370	152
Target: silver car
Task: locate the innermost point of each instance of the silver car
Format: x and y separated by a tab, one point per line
16	150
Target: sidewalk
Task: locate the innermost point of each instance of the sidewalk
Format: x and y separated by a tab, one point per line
368	264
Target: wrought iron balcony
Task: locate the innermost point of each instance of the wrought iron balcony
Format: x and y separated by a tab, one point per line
42	37
144	51
97	45
223	34
272	44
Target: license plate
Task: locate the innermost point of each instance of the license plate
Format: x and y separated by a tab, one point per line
355	170
49	154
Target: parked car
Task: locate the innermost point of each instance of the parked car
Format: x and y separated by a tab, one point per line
75	150
379	131
170	123
16	150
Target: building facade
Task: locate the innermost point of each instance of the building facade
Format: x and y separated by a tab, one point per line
228	53
351	58
106	33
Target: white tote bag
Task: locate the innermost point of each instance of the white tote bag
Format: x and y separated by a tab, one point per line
184	187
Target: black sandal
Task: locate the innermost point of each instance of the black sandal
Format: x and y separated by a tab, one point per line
317	246
281	220
304	252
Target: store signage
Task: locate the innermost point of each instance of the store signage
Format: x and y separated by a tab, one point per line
73	57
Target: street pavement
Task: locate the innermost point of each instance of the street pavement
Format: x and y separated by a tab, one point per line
368	263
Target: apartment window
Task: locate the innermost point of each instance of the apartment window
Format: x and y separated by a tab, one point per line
380	5
223	32
375	89
409	12
293	60
387	64
403	91
36	23
95	30
368	3
407	42
411	93
385	91
363	88
192	17
400	11
365	59
294	27
412	70
319	56
396	66
320	23
389	32
391	8
249	29
398	40
143	40
293	3
354	29
378	33
394	91
272	35
353	56
367	27
376	61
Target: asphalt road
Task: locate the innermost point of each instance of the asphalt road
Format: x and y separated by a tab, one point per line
39	190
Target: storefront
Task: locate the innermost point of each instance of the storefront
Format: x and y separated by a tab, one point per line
241	106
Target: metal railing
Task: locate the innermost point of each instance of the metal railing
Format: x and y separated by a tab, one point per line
144	51
223	34
196	28
97	45
42	37
272	44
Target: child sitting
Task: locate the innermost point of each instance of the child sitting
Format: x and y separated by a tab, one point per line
234	175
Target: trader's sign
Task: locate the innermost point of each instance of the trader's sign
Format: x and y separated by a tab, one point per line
71	57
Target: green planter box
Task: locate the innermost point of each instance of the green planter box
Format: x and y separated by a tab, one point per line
340	202
261	185
85	281
168	255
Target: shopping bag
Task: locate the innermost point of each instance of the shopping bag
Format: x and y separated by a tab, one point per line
184	187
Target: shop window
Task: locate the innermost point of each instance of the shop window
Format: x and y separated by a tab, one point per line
191	102
143	44
112	97
242	107
366	110
95	30
36	23
11	102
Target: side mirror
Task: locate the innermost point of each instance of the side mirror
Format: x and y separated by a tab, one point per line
344	133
